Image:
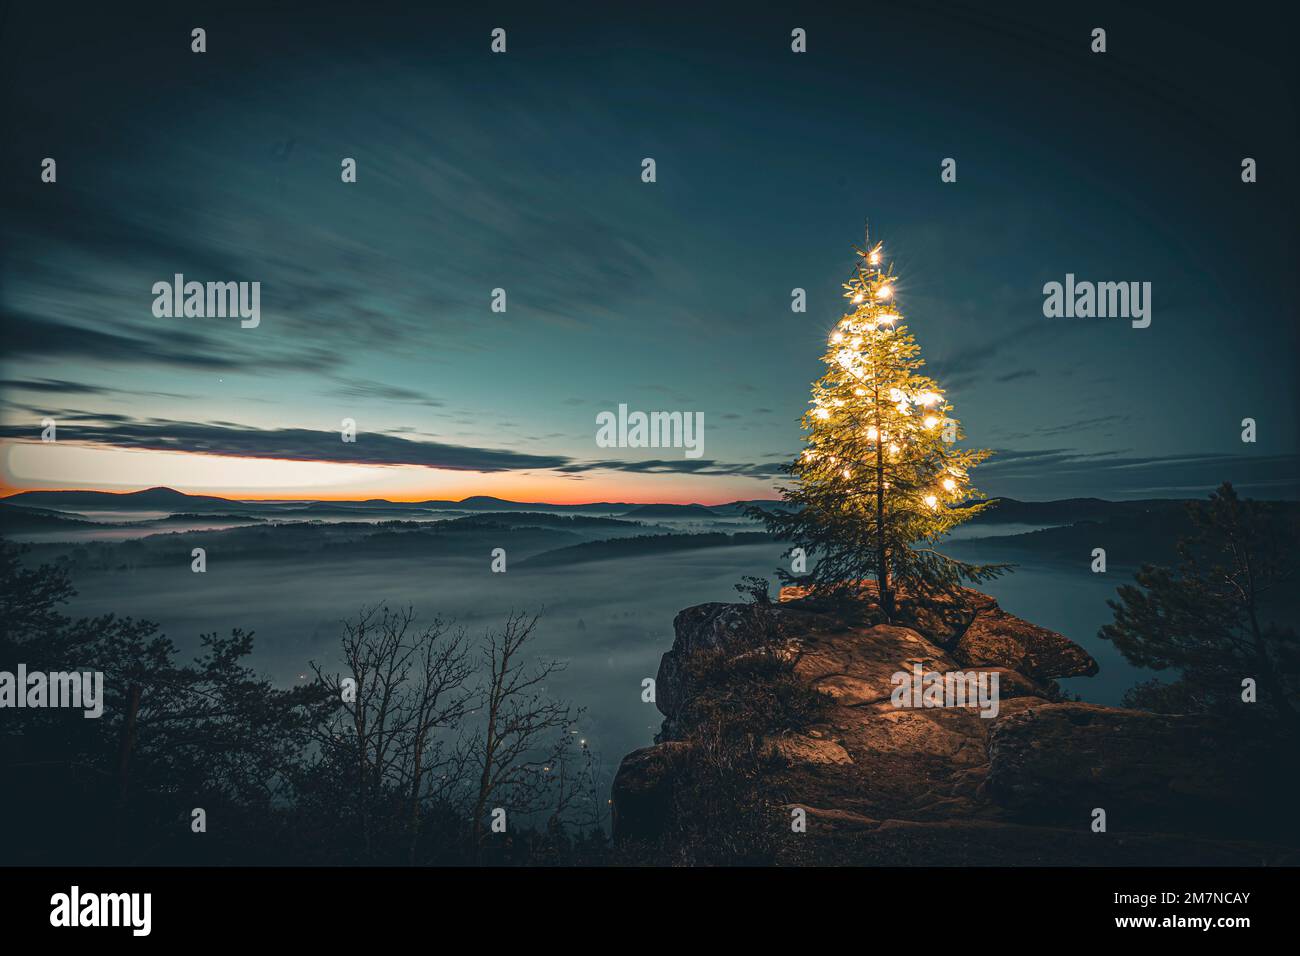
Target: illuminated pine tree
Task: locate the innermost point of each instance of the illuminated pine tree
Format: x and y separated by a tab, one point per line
881	479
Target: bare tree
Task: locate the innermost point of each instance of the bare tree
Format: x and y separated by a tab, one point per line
520	755
410	690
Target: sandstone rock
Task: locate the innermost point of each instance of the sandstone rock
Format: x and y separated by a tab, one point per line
935	733
731	629
1011	683
855	665
1056	762
945	785
1004	640
643	791
941	617
807	749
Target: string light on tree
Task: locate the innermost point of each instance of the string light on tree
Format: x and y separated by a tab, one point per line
880	481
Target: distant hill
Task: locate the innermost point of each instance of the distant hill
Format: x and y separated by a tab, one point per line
670	511
473	503
151	499
355	509
16	519
226	516
489	503
1003	511
168	499
736	508
1071	510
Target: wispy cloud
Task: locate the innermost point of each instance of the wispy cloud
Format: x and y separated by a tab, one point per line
58	386
30	336
683	466
1061	472
294	444
381	391
370	448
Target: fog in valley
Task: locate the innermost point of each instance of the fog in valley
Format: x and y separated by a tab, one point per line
607	585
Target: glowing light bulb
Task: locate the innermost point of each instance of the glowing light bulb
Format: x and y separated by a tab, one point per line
893	449
930	421
859	392
871	432
932	501
949	484
874	258
927	398
884	292
858	298
837	337
847	473
888	318
822	413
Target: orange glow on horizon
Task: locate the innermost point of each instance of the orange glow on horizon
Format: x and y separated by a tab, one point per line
70	467
522	497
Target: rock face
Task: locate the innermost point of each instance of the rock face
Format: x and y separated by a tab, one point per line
998	638
1158	768
942	784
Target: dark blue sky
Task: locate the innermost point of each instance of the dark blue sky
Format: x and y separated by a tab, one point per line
522	171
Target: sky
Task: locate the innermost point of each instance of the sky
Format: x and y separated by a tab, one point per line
523	171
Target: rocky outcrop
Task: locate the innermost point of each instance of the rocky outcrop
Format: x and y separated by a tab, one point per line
882	783
646	791
1048	761
997	638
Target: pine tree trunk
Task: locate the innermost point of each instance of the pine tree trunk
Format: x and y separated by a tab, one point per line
1268	675
127	746
882	556
417	774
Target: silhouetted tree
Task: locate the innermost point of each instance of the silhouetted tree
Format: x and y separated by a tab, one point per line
403	770
387	739
519	756
172	736
1212	616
